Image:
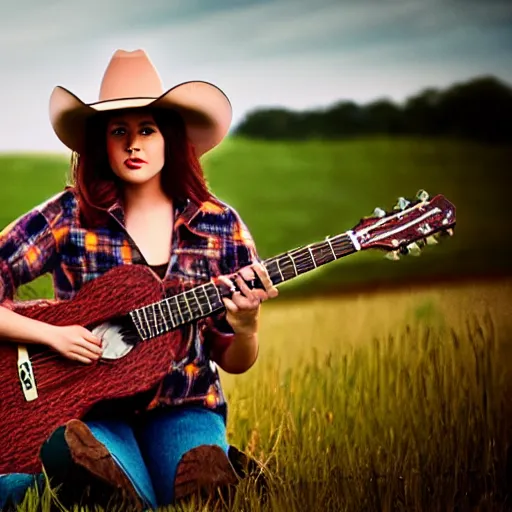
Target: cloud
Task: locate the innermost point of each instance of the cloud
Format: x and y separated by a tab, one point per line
294	53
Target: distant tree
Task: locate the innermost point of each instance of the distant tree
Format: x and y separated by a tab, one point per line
342	119
274	123
480	109
421	113
384	116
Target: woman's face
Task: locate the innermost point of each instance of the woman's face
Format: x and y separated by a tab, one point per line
135	147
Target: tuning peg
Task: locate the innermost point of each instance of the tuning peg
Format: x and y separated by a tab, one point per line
444	233
379	212
422	195
402	204
431	240
414	249
392	255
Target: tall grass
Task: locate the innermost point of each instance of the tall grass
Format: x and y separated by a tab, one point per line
415	420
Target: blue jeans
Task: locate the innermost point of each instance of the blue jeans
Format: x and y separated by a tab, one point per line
148	453
14	486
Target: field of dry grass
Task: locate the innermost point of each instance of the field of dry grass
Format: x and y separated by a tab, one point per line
379	402
290	329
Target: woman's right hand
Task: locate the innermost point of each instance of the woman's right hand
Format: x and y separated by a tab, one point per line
75	342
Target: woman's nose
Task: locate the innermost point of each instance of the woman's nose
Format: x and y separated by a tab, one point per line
133	144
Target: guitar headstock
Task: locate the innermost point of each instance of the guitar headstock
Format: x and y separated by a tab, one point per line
408	227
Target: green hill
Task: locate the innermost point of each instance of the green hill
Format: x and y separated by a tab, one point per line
292	194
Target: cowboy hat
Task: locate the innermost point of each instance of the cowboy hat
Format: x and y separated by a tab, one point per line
131	81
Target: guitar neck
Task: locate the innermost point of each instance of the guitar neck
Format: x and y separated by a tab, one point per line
294	263
205	300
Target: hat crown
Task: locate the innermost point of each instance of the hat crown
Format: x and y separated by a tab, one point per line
130	75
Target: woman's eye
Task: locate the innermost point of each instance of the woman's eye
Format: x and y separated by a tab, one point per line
117	131
147	131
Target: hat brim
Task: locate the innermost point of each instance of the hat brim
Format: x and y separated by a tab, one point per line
205	109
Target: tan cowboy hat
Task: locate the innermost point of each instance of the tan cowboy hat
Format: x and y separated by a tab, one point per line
131	81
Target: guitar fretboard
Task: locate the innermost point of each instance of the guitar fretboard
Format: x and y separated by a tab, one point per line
201	301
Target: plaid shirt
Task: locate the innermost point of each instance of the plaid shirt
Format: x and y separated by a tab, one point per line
208	240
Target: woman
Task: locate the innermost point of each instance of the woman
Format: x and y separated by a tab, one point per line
139	197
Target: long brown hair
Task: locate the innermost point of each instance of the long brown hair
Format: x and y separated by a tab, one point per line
98	188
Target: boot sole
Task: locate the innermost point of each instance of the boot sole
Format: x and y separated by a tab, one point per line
92	455
203	470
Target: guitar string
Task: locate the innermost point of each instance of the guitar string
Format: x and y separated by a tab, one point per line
301	263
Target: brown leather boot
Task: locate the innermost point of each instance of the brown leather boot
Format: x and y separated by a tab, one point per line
203	470
81	454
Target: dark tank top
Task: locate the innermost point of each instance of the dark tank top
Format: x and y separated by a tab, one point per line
159	269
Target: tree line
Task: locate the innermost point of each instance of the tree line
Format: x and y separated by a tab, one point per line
479	109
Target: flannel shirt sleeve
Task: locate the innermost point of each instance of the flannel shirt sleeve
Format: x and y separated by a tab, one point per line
27	251
238	251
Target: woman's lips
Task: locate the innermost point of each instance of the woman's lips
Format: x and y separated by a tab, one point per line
134	163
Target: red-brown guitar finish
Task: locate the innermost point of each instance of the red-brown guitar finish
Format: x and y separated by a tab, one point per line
68	389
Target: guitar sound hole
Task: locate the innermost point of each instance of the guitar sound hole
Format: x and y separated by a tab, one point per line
117	339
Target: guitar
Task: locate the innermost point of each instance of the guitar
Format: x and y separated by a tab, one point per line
131	310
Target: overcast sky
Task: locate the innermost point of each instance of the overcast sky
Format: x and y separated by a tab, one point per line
293	53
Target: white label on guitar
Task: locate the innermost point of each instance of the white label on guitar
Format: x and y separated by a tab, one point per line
26	375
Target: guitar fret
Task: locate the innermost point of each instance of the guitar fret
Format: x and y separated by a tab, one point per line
326	253
293	263
163	317
171	317
274	272
207	298
155	320
197	300
279	270
138	324
208	303
330	245
147	322
323	254
312	256
214	300
188	305
179	308
136	320
219	295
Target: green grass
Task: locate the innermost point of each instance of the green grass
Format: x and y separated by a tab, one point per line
291	194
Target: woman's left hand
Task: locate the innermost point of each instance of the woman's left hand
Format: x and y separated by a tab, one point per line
244	305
